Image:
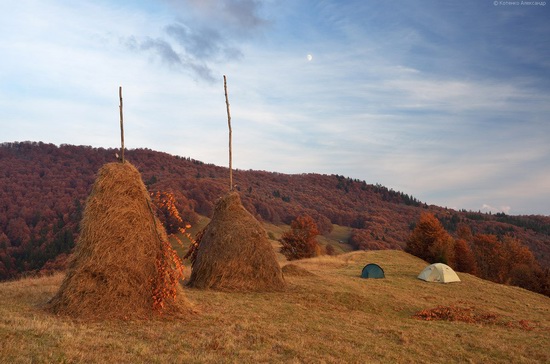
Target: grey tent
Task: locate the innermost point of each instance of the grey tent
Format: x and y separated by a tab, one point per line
439	272
372	271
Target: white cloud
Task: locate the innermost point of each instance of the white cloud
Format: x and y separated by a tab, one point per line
364	107
488	208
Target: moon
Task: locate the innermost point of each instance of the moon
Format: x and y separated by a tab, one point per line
309	57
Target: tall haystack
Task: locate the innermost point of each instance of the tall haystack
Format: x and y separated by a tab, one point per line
234	253
113	273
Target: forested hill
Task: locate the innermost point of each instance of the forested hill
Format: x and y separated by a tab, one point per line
43	188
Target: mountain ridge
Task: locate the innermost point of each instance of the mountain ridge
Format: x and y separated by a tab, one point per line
44	187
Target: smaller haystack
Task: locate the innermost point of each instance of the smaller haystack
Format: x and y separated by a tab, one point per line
296	270
113	273
234	252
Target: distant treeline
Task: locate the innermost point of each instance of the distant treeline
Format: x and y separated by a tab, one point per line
43	188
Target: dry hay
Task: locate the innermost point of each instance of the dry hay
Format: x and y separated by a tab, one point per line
113	270
234	253
296	270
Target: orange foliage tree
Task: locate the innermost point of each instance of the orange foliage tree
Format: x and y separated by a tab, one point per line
430	241
465	260
168	214
299	242
509	261
521	267
169	264
490	257
464	232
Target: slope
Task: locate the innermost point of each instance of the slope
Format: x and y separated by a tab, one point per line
330	316
43	188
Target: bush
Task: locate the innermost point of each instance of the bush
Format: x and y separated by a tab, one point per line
330	249
299	242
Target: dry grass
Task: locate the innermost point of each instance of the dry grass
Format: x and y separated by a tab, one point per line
338	238
234	253
295	270
113	271
341	234
275	231
331	317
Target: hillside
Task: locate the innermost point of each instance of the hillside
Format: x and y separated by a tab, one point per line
330	315
43	188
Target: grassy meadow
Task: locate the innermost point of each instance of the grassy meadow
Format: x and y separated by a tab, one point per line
330	316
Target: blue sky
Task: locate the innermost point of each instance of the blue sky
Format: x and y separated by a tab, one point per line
448	101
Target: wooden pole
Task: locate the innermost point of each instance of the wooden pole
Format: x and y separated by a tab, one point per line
230	132
121	126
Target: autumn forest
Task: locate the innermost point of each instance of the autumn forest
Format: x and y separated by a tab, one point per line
43	188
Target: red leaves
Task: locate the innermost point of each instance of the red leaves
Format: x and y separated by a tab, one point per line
169	272
299	242
454	313
430	241
469	315
194	248
464	257
169	265
168	213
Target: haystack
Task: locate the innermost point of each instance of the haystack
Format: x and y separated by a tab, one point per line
295	270
234	253
113	271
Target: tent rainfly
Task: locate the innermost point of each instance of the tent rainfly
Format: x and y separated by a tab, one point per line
439	272
372	271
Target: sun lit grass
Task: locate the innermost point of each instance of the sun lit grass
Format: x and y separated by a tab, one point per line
331	316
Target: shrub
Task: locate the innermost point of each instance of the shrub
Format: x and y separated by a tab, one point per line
299	242
330	249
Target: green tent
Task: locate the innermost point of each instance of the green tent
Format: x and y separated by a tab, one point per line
372	271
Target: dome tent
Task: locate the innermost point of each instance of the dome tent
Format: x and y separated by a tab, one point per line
372	271
439	272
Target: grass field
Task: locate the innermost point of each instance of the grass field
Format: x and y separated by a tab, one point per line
332	316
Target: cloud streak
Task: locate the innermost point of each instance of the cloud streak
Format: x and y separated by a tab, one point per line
238	17
175	60
205	44
193	44
438	100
